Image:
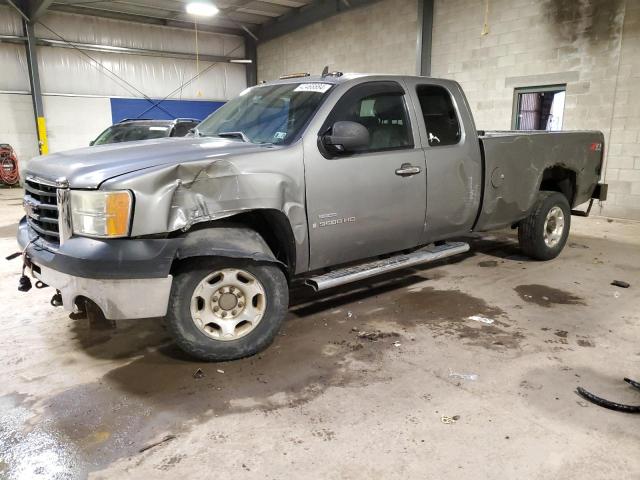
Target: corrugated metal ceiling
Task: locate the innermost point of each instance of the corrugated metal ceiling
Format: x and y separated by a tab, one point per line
233	15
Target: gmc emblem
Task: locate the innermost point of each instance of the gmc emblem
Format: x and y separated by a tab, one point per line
29	208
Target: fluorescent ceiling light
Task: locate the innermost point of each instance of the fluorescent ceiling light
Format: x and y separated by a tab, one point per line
202	9
240	60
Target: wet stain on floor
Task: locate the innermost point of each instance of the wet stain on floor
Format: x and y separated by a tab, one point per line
545	296
157	394
31	450
578	245
488	263
447	312
582	342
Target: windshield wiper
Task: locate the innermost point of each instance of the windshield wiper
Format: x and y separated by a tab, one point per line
238	134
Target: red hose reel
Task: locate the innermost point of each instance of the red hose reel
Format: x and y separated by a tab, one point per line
9	173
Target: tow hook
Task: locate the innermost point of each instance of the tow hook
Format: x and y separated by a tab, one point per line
24	284
56	300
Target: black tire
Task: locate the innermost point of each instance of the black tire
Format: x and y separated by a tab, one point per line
196	343
531	230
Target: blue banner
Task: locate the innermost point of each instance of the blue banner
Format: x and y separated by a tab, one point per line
122	108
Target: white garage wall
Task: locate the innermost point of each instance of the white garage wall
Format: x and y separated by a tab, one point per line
10	23
103	31
76	90
65	130
15	76
67	71
70	71
17	125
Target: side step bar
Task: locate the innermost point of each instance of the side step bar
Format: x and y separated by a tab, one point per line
397	262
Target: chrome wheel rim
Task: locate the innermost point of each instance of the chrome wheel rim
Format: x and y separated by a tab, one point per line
228	304
553	227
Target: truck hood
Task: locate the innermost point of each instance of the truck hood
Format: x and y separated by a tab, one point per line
89	167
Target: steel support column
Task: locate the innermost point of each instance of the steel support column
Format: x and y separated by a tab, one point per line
423	42
250	53
36	93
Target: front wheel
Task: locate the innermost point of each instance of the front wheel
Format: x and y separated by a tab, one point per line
543	234
225	309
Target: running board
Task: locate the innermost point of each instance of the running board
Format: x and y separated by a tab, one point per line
397	262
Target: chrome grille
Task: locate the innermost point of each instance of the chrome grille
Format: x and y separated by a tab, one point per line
41	206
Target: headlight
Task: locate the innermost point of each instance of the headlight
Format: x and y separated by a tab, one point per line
101	214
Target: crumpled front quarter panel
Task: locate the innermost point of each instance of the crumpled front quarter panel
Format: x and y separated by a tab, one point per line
175	197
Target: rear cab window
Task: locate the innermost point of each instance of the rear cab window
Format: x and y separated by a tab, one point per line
440	117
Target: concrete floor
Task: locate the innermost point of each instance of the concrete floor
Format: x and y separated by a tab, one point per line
81	399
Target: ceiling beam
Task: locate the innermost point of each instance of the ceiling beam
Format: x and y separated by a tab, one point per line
37	8
18	8
95	12
308	15
121	50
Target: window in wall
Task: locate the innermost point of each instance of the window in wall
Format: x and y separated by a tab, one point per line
538	108
440	117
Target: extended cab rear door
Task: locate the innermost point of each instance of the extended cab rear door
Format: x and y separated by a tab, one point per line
452	150
372	202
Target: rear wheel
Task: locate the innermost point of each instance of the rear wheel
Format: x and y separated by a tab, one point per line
543	234
224	309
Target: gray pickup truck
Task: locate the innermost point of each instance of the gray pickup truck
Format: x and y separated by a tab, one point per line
324	180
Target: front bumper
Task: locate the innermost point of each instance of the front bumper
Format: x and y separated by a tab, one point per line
125	278
118	299
115	258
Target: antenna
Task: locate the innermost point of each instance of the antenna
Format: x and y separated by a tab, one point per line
325	71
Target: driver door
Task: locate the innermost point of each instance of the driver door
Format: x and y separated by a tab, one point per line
373	201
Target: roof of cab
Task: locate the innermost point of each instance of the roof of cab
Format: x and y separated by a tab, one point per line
335	79
332	79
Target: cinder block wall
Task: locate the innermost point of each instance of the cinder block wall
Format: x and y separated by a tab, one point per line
379	38
591	46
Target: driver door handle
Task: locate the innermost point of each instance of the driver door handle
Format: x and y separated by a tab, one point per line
407	170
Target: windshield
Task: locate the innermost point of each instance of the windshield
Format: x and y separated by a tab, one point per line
131	132
266	114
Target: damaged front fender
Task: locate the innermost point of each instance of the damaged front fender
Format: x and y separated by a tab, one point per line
233	242
170	198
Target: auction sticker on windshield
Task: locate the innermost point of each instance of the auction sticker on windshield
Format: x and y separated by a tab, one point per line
313	87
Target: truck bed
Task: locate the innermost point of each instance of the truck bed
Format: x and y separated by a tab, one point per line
517	164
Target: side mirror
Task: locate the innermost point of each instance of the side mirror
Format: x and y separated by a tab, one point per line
91	143
346	137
